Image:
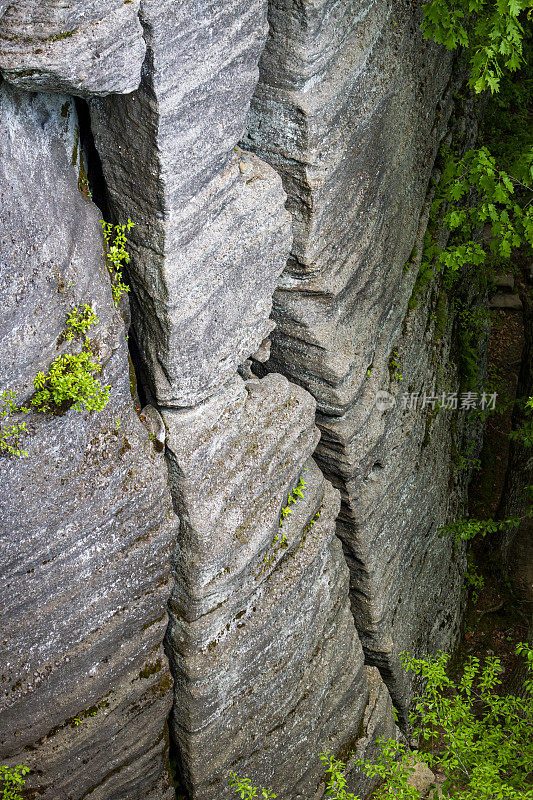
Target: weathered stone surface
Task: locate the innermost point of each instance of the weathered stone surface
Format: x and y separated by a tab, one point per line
267	664
86	527
84	47
3	6
212	233
350	109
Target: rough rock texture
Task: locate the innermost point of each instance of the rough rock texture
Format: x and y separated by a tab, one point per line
349	111
268	667
3	6
212	233
84	47
85	521
267	663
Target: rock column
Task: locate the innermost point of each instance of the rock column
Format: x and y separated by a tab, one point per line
267	664
350	109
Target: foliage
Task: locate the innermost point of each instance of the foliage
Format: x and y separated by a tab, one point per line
473	579
524	433
395	366
70	383
79	321
117	255
295	494
244	788
11	781
464	530
492	202
479	738
10	434
506	124
491	30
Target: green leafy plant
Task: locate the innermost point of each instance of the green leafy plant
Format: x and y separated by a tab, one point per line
70	383
79	321
11	433
244	788
12	780
395	366
524	433
464	530
295	494
473	579
475	194
491	30
475	735
117	255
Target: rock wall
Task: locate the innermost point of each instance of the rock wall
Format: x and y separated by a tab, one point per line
86	525
85	47
276	160
261	642
350	109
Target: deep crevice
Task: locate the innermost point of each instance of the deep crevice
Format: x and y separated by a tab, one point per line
95	173
99	194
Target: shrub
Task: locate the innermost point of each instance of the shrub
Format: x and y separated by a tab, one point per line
480	738
11	780
10	434
70	383
117	255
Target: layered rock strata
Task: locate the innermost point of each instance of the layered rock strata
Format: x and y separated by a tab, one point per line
266	659
86	522
350	109
211	232
84	47
268	668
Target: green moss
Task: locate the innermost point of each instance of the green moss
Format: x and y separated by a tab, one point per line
57	37
151	669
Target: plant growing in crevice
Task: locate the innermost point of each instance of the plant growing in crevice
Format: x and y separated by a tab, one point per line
12	781
11	433
395	366
79	320
70	381
294	495
117	255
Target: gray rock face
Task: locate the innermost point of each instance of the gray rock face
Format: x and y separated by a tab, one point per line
350	108
86	527
267	664
212	233
85	47
3	6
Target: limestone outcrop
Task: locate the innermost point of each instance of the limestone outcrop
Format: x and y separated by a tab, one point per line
85	47
211	232
176	572
86	525
350	109
267	663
